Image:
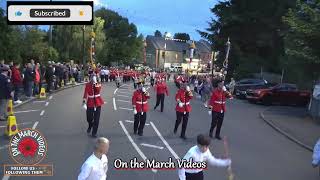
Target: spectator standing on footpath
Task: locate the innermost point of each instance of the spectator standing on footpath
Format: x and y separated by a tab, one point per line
232	85
29	76
6	91
37	79
316	155
49	76
16	79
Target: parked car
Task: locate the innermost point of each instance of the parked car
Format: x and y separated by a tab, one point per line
243	85
284	94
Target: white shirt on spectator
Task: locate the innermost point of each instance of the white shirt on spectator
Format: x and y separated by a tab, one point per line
94	168
198	156
316	154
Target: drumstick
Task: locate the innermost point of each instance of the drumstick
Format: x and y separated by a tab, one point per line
226	151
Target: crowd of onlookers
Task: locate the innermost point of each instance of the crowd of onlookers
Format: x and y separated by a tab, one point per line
25	81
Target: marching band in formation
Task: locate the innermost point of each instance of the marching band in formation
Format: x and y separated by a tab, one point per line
92	101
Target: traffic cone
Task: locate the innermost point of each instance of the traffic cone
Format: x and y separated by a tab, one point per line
73	81
10	108
12	127
42	94
62	83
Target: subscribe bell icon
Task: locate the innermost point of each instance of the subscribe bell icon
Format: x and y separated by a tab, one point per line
81	13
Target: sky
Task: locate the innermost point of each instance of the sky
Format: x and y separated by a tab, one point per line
165	15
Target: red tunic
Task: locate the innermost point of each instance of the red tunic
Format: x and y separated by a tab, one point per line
140	101
92	95
185	98
218	100
161	88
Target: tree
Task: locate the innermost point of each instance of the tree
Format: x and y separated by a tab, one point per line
122	42
302	41
182	36
256	32
157	33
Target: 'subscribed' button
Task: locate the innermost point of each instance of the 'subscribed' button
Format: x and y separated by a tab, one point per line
50	13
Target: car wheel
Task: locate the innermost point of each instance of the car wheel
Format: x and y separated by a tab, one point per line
266	100
252	101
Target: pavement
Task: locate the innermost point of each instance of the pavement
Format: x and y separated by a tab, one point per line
257	151
295	123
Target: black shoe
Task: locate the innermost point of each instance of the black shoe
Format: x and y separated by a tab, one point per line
218	137
88	130
135	132
140	134
183	137
154	108
94	135
211	135
175	131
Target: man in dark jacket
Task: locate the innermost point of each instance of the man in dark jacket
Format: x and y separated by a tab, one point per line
49	77
29	76
5	91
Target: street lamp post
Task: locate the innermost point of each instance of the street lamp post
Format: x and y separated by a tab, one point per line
164	57
145	52
192	47
83	48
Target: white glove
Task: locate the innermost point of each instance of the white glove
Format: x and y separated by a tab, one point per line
84	106
143	89
224	88
94	79
180	104
228	162
210	112
188	88
135	111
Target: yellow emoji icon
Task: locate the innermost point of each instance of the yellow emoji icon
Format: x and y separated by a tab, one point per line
81	13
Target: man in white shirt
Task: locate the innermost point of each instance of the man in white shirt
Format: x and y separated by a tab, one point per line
96	166
201	153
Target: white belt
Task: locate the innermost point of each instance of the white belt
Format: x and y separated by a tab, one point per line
98	95
187	103
220	102
138	102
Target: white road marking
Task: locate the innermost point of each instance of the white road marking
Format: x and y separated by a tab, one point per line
47	103
24	123
42	112
115	91
50	97
123	101
17	112
4	147
5	177
164	141
134	144
114	104
39	101
35	125
128	109
128	121
123	96
152	146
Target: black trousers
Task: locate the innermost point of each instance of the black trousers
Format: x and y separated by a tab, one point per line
152	81
184	118
93	117
160	99
194	176
217	120
139	122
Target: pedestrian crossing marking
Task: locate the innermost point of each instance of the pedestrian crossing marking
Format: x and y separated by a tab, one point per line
128	109
152	146
128	121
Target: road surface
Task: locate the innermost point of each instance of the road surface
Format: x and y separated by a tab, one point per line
258	152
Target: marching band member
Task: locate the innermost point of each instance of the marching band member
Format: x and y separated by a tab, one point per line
183	107
93	101
218	106
140	108
162	90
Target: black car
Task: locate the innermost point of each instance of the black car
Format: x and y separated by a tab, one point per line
243	85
